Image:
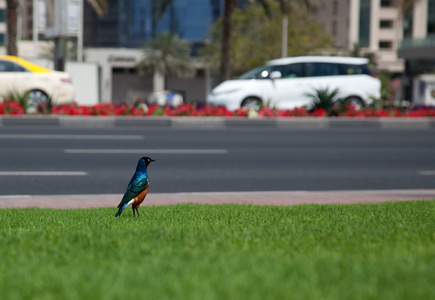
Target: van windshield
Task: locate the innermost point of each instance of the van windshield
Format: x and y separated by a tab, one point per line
257	73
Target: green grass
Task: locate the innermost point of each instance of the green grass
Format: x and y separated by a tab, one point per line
384	251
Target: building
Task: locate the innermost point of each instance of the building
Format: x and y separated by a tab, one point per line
401	38
377	26
129	23
417	49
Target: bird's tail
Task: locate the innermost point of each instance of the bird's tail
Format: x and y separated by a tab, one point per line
119	212
121	208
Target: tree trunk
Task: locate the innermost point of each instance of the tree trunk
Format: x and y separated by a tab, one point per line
225	69
11	27
158	81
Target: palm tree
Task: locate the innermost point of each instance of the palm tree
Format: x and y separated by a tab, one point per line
324	98
11	27
100	7
166	54
225	63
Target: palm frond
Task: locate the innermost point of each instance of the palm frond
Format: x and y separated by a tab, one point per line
99	6
324	98
168	55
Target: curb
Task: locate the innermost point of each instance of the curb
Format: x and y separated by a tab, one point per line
217	122
283	198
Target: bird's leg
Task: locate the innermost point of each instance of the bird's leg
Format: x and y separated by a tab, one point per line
137	210
134	215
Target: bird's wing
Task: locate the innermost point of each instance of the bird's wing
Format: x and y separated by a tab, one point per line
137	184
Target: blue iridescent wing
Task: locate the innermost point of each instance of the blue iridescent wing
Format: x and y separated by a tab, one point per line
137	184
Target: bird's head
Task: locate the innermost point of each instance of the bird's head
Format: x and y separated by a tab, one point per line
147	160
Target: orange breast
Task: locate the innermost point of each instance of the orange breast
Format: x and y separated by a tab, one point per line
141	197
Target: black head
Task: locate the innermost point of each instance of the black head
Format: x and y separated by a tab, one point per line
147	160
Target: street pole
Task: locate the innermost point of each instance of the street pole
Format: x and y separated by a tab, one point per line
59	57
284	38
80	33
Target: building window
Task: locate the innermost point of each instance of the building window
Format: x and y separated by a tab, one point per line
2	15
386	24
407	23
2	39
431	17
385	44
386	3
364	23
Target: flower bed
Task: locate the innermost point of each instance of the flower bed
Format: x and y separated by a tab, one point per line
13	108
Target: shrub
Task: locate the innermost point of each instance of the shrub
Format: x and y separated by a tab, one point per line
326	99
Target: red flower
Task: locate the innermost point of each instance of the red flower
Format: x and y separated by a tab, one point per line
422	112
241	112
267	112
108	109
10	107
320	112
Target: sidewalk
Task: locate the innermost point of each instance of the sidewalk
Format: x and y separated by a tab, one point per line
217	122
254	198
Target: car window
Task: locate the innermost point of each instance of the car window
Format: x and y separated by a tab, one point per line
293	71
321	69
346	69
262	72
8	66
19	68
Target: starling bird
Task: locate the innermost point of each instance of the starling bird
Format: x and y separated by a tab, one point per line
137	188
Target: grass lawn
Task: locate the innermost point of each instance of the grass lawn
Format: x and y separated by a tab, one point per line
384	251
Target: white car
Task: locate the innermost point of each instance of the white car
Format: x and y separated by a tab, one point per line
284	83
19	76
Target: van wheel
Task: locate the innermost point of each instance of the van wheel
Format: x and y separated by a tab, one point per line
253	103
35	99
357	102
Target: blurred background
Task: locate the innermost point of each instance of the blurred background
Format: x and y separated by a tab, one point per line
130	51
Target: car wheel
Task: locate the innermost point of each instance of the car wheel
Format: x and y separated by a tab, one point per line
35	99
357	102
253	103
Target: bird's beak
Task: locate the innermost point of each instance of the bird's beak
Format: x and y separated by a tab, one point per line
152	160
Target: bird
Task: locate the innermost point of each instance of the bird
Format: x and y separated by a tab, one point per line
137	189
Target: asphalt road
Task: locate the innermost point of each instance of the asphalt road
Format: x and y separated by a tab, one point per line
54	161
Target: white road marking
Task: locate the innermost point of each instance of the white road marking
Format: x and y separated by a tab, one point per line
71	136
42	173
147	151
426	172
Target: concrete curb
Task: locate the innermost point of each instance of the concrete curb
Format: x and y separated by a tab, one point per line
283	198
217	122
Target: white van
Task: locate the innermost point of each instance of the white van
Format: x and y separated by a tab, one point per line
283	83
